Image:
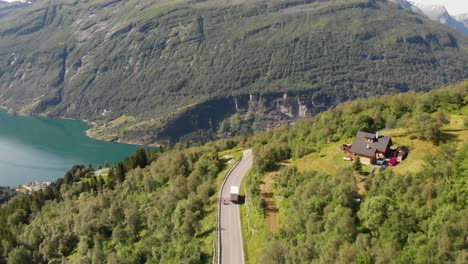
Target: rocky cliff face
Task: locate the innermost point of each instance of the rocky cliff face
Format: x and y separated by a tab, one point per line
136	67
236	115
222	117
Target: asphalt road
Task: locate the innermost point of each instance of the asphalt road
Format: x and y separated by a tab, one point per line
232	251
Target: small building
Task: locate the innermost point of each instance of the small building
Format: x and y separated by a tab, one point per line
370	146
402	153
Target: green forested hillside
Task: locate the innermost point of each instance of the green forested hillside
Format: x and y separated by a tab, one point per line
150	60
389	217
159	207
403	218
162	213
6	194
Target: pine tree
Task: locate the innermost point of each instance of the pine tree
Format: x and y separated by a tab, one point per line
357	166
141	159
119	172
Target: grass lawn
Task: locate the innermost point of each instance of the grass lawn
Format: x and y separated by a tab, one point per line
457	122
330	158
89	178
235	153
123	120
419	149
103	172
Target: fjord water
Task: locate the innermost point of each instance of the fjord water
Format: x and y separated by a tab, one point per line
39	149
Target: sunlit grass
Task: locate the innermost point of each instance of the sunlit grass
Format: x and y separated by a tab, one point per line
254	231
330	158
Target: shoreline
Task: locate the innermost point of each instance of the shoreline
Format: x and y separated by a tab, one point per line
10	111
92	124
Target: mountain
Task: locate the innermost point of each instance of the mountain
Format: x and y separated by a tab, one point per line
439	13
403	3
161	207
148	71
463	18
6	8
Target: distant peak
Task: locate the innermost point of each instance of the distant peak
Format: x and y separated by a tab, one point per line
434	12
461	17
439	13
402	3
432	8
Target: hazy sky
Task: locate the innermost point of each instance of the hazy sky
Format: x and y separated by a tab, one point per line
454	7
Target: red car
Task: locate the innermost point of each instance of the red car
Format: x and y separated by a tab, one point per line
393	161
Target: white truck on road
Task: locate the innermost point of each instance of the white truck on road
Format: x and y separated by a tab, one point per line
234	197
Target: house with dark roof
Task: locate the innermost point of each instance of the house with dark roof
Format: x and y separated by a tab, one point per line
370	146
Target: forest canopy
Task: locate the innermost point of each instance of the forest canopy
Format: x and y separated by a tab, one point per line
412	217
159	206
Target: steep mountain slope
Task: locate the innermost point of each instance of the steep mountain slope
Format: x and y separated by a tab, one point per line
439	13
463	18
7	8
163	69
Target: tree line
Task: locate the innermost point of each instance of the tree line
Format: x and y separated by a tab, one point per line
418	217
418	115
161	211
403	218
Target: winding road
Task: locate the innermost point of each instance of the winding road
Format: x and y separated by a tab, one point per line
230	247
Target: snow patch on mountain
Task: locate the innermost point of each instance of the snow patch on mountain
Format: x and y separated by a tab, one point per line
402	3
440	13
463	18
437	13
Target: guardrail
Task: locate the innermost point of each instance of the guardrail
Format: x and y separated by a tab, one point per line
217	253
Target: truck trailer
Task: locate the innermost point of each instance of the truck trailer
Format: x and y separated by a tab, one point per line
234	197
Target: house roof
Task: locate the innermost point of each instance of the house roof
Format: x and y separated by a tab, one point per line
361	142
403	149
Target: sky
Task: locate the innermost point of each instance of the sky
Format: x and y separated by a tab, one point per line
454	7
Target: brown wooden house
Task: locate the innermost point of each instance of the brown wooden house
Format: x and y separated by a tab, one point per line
370	146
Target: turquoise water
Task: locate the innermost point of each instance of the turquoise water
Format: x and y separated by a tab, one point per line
39	149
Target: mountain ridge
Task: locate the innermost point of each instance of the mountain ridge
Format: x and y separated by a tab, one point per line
163	59
462	18
440	13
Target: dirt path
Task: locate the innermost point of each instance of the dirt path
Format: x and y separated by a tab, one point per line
271	211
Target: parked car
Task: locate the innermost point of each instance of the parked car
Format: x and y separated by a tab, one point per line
348	158
393	161
380	161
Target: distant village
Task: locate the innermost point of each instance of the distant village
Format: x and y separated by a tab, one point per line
32	187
